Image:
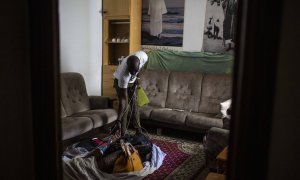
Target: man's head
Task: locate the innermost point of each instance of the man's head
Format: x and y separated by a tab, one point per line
133	63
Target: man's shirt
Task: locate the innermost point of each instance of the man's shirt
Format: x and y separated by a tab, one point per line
122	73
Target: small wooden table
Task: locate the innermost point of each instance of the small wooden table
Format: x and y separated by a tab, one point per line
215	176
222	161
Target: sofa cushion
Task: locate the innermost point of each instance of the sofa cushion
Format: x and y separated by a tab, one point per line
155	84
203	121
100	117
168	116
184	91
73	93
215	89
74	126
145	111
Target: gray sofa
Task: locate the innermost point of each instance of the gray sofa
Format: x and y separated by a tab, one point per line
81	113
184	100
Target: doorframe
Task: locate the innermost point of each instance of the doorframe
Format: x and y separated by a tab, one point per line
254	80
254	77
45	79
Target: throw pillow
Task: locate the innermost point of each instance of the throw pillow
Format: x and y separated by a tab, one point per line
224	107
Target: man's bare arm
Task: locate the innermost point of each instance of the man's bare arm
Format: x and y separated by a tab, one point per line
123	99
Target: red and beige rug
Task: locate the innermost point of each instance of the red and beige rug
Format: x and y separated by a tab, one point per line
184	159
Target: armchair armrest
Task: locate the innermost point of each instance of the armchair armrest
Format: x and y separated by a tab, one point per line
101	102
214	142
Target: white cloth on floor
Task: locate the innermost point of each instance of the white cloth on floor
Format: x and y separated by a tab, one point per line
73	152
87	168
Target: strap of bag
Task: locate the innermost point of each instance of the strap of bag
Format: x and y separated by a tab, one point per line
131	147
125	147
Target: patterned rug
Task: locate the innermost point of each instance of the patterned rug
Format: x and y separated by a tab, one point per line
185	159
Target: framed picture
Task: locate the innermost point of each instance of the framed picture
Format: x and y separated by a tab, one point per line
220	24
162	22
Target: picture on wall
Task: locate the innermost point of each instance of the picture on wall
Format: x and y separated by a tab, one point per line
220	24
162	22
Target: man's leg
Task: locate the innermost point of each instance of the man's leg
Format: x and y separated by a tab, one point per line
123	114
135	116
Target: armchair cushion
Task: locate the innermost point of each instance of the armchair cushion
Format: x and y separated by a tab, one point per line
74	126
100	117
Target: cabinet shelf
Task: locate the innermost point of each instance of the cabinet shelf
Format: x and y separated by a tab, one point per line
120	22
110	42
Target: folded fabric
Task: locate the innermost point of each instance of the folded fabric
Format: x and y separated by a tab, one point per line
74	151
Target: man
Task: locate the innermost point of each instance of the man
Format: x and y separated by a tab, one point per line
125	84
229	23
216	29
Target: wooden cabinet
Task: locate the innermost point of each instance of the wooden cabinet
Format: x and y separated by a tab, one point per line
107	81
121	36
113	8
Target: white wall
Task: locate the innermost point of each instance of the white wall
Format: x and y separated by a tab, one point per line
81	40
194	18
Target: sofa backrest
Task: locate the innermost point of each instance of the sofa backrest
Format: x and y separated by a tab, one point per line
215	89
73	93
155	84
184	91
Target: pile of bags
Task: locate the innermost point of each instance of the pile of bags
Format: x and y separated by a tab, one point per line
130	157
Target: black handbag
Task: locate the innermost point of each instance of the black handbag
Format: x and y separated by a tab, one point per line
106	163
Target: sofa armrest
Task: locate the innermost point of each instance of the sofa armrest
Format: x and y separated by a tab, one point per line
226	123
214	142
101	102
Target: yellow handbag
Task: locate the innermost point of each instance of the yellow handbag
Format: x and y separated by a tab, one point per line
129	160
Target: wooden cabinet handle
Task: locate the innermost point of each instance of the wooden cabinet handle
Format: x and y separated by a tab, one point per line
103	11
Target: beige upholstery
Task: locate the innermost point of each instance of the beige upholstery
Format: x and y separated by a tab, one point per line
168	116
73	93
187	100
81	113
203	121
184	91
155	87
145	111
62	110
99	117
74	126
215	89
